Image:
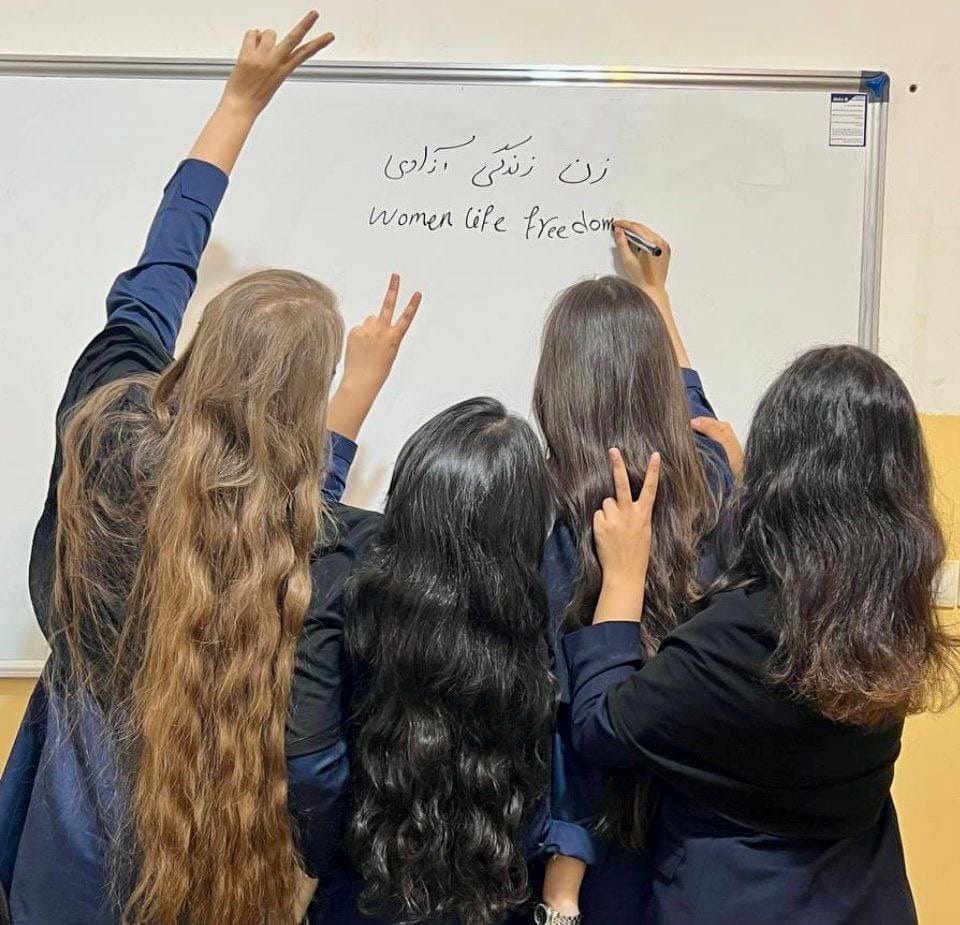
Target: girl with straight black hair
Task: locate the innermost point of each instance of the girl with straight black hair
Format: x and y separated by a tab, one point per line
446	626
773	717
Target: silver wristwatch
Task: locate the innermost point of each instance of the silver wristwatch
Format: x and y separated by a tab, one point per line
544	915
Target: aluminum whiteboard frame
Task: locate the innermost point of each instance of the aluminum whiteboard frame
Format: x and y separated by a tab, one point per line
532	75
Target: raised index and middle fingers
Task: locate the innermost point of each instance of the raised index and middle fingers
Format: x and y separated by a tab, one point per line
409	313
648	493
621	479
390	299
297	34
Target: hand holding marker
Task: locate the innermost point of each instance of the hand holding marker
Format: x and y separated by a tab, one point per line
642	243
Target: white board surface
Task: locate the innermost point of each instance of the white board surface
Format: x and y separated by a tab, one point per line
765	217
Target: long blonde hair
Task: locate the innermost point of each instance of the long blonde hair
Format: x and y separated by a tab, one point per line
192	500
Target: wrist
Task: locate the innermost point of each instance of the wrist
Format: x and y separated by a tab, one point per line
621	581
549	915
348	407
239	108
562	905
357	388
621	599
660	296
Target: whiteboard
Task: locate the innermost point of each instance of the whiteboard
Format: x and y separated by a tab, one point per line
355	171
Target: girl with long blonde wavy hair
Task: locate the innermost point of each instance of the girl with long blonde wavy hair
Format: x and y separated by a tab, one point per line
186	571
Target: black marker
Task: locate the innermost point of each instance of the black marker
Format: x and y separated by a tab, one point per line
642	243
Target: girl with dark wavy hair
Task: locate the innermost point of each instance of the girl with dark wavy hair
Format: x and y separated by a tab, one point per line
446	628
614	372
180	761
773	717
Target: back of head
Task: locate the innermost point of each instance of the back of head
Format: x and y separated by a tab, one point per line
607	377
447	624
834	513
226	453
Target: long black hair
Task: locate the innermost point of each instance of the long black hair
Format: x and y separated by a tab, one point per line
447	625
834	513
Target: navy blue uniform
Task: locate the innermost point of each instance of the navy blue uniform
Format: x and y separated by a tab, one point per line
59	794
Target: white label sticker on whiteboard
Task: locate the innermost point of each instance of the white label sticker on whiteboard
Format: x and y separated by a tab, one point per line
848	120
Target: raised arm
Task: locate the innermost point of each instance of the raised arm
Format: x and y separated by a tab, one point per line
649	274
371	349
154	293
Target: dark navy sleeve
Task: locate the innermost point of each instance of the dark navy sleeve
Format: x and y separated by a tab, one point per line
576	788
17	781
342	453
317	799
576	795
599	657
154	294
700	406
319	690
714	457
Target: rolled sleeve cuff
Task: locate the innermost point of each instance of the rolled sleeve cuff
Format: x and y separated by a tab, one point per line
342	452
342	448
601	656
570	840
200	182
596	649
691	378
700	406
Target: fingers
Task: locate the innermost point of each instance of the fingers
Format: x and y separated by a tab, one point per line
621	478
306	52
637	228
297	34
250	40
721	432
623	246
390	299
648	494
409	313
710	427
599	520
390	304
268	39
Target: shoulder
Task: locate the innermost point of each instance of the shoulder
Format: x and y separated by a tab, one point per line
735	627
119	350
354	518
348	535
352	526
333	560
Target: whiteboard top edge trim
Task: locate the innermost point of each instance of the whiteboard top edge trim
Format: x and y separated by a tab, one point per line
80	65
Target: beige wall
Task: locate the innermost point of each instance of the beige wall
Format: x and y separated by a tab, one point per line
920	322
14	693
